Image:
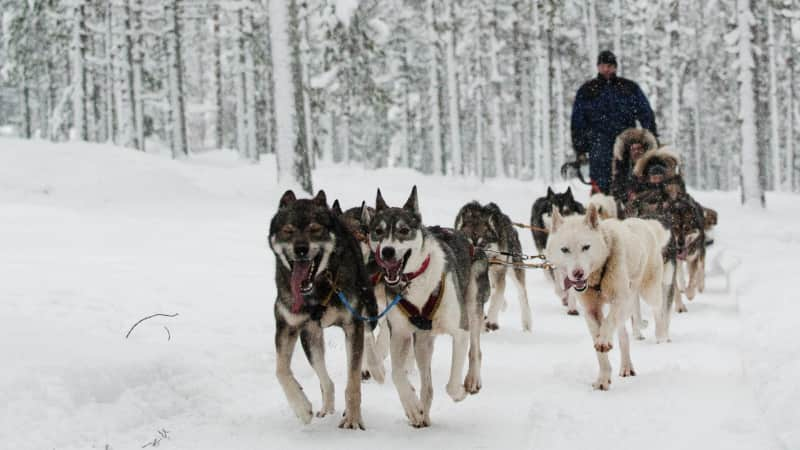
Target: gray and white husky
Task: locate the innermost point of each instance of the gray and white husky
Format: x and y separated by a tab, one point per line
488	228
443	285
316	258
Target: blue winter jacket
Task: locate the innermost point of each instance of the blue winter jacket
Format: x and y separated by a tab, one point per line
602	110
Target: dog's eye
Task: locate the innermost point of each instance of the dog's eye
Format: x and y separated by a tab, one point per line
585	247
378	231
564	250
314	228
403	231
287	230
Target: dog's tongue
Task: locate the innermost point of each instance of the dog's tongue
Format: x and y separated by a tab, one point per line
299	275
683	254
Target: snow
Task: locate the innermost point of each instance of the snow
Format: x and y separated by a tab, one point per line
345	10
96	237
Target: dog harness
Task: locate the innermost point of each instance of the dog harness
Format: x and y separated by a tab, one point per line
424	319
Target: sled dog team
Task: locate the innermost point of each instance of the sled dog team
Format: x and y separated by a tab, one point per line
367	268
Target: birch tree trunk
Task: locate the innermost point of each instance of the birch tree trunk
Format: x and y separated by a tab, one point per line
452	90
674	74
789	178
111	131
495	111
291	146
433	92
774	146
78	58
752	194
592	49
138	63
547	122
180	147
215	19
250	88
239	86
618	35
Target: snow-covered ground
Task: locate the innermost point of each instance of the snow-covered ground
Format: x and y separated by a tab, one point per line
93	238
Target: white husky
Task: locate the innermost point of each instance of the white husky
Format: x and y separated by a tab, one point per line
611	262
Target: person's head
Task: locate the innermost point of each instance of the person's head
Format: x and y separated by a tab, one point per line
606	64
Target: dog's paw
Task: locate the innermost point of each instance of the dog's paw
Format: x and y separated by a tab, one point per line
602	345
638	336
602	384
415	414
351	422
681	309
365	375
457	392
572	312
662	340
424	423
472	384
324	411
491	326
526	326
302	409
627	371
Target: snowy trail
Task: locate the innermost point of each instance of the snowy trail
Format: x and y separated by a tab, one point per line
83	262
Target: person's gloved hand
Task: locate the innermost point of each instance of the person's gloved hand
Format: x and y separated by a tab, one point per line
583	158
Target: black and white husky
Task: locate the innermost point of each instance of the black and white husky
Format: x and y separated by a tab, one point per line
443	285
316	258
487	227
541	219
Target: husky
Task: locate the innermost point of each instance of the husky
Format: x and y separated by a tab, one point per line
488	228
443	286
688	229
541	219
611	262
357	220
317	258
687	223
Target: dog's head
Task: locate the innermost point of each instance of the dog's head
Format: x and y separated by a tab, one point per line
564	202
395	234
577	247
302	235
478	224
686	225
353	219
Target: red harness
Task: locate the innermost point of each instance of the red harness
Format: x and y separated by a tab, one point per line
421	319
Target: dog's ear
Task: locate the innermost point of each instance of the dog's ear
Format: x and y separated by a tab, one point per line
557	220
569	192
412	204
380	203
287	198
321	199
366	217
550	192
336	209
592	216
